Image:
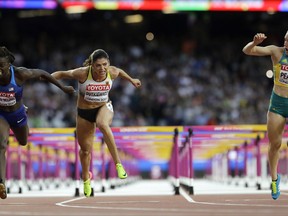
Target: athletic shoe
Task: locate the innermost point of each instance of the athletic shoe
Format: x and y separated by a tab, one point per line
87	186
275	193
3	193
121	171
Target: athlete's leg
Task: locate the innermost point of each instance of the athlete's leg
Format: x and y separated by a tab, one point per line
4	136
275	127
103	122
85	131
21	134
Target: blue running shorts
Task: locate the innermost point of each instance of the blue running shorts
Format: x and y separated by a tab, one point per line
15	119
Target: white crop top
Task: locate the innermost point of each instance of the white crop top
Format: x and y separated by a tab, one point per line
94	91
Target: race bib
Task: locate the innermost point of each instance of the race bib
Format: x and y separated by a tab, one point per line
283	77
7	99
109	106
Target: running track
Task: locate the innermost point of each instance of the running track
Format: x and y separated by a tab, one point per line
148	198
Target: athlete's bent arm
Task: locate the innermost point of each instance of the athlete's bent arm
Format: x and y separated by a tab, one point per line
121	73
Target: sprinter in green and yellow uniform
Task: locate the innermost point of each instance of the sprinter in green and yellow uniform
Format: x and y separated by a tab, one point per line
278	108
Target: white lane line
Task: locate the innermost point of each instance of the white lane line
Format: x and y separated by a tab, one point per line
68	201
189	199
186	196
123	202
67	205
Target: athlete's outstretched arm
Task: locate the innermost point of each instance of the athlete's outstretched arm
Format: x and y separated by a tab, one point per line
44	75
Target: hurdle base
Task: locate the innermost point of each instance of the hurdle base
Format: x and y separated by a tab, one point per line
77	192
176	190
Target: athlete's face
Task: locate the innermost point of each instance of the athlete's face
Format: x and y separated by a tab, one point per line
4	67
100	66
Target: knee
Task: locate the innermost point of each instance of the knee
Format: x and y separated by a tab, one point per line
84	152
102	126
275	146
3	143
22	142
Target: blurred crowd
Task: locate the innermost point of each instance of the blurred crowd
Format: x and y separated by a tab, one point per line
193	72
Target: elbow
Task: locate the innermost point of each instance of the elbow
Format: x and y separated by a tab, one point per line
55	75
244	50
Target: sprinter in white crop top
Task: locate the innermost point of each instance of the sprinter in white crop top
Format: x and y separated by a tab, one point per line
95	108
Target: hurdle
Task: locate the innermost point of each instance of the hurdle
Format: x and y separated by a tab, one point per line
180	146
136	143
45	145
14	156
216	144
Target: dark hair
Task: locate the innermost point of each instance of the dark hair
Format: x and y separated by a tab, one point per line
99	53
5	53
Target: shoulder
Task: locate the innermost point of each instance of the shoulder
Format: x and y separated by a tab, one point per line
80	73
21	74
276	50
268	48
77	73
271	50
80	70
21	71
276	53
114	71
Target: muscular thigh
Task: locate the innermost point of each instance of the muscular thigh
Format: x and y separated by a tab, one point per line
275	126
21	134
85	133
105	114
